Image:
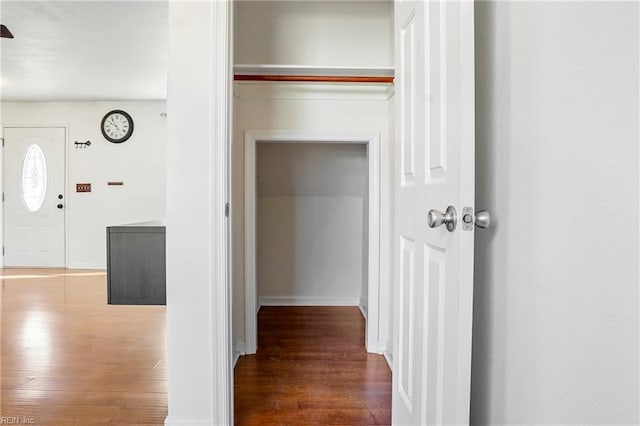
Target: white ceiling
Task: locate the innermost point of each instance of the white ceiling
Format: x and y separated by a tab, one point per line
84	50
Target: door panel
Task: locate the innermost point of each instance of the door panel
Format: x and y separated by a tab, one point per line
34	176
435	156
406	346
407	122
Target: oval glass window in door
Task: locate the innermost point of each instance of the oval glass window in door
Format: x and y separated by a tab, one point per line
34	178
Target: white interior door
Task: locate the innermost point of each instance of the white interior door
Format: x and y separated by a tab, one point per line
34	204
434	169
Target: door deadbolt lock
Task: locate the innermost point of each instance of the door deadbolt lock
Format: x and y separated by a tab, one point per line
467	218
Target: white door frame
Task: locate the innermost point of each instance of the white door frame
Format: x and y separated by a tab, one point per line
64	126
251	139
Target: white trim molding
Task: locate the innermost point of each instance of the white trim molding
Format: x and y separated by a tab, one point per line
188	421
363	308
221	344
266	69
305	301
238	351
95	266
372	141
388	356
313	91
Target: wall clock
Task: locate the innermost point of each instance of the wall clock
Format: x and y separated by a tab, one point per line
117	126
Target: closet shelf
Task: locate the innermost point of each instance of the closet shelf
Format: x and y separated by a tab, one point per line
307	74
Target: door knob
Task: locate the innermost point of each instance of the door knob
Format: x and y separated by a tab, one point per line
483	219
436	218
60	206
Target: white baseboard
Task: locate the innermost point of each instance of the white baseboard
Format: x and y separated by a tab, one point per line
86	266
388	356
363	308
306	301
92	266
238	351
188	421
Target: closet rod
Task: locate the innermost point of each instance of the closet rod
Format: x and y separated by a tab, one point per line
313	78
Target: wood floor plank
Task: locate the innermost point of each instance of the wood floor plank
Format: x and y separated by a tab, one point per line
69	358
311	368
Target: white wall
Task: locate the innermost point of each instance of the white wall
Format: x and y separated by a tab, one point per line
318	109
198	323
139	162
556	291
311	206
314	33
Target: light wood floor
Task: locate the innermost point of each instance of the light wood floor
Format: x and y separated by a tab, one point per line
312	368
68	358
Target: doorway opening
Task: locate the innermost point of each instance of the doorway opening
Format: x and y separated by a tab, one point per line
369	300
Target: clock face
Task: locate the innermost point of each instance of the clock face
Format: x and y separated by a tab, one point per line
117	126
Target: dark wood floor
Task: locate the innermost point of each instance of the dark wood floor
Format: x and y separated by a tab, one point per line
312	368
68	358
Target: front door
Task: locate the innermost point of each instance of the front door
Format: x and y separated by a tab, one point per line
34	204
434	169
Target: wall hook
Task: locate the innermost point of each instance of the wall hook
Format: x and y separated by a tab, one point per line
82	144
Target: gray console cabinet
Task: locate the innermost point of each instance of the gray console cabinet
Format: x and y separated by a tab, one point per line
136	273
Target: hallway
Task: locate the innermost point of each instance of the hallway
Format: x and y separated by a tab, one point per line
312	369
